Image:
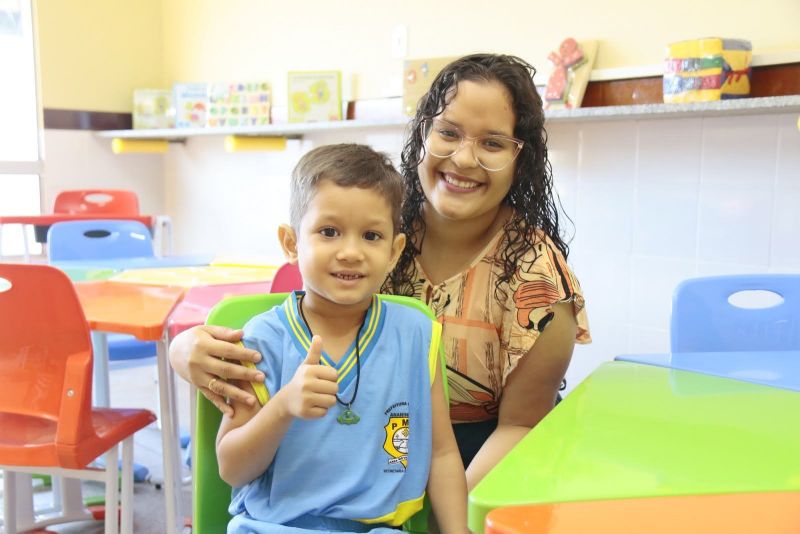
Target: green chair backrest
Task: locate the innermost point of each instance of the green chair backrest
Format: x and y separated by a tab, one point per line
211	493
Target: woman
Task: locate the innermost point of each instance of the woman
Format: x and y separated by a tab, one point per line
484	250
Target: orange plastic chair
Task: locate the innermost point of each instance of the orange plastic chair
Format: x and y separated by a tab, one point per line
99	201
47	421
287	279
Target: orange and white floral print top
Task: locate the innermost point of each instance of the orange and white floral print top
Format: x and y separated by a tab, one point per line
483	342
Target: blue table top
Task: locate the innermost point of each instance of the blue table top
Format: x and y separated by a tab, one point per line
779	369
135	263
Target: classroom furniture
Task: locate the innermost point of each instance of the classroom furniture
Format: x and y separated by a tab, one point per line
89	248
241	260
198	302
97	201
287	279
196	276
97	250
87	204
98	239
86	273
109	244
776	368
103	202
632	430
141	311
737	513
49	425
211	494
703	318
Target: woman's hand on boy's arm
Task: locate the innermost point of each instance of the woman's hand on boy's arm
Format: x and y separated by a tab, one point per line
447	486
530	391
196	355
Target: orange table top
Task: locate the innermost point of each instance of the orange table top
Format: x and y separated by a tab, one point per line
735	513
52	218
139	310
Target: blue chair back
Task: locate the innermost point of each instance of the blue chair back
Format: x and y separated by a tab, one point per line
704	319
98	240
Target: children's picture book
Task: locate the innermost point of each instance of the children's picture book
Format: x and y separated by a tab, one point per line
418	74
572	65
238	104
315	96
152	108
191	104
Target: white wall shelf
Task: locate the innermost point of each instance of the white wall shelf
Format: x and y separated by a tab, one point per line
271	130
742	106
739	106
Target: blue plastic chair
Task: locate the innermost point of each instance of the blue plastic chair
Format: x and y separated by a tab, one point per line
704	320
98	239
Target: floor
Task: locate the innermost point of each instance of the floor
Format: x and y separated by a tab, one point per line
133	384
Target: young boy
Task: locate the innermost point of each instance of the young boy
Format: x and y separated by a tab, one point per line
356	423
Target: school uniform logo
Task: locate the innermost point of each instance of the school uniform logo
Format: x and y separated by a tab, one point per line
396	442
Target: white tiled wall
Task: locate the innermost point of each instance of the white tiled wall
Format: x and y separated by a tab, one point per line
658	201
653	202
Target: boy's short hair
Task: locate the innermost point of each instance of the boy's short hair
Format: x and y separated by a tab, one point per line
346	165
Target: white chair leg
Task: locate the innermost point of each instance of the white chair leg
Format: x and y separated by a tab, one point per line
126	523
71	496
9	502
162	235
24	498
112	490
25	244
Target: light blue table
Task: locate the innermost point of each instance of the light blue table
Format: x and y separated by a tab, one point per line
780	369
147	262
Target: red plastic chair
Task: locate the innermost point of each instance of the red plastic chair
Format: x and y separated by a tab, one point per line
287	279
47	421
100	201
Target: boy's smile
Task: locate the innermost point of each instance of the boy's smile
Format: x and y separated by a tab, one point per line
345	246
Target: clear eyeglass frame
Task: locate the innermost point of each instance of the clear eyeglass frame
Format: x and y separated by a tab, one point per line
427	128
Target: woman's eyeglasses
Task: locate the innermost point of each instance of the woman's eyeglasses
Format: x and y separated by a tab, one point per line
492	152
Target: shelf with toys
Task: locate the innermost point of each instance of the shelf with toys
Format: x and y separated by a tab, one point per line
613	94
740	106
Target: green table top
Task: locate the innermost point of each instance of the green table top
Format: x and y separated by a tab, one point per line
82	274
632	430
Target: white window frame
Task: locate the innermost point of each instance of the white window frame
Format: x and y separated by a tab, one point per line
34	167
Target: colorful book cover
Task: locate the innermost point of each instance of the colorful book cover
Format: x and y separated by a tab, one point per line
191	104
238	104
315	96
152	108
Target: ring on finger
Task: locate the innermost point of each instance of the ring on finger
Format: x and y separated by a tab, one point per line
211	383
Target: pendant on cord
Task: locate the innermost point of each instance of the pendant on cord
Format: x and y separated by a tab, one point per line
348	417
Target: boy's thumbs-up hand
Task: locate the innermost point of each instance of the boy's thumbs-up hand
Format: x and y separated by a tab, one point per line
314	352
313	388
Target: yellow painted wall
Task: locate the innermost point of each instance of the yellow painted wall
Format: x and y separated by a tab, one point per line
246	39
93	53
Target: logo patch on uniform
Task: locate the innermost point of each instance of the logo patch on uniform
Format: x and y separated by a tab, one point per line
396	443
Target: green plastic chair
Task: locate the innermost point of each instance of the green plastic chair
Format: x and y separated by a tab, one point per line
211	494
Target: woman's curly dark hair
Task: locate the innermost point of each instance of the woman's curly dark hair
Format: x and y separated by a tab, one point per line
531	194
